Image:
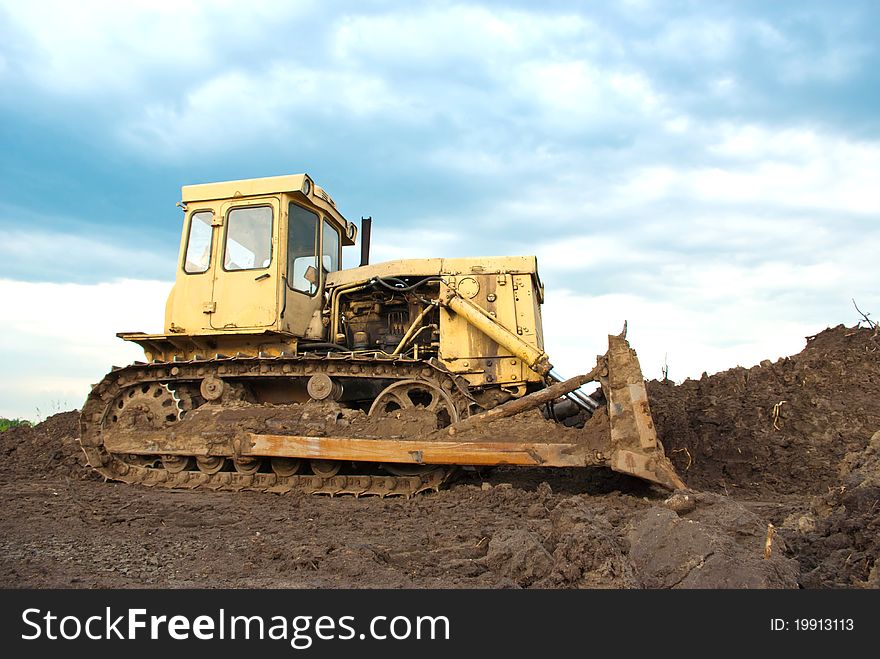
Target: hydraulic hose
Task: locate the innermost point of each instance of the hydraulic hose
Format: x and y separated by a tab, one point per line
383	281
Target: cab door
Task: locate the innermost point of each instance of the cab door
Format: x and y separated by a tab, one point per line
245	293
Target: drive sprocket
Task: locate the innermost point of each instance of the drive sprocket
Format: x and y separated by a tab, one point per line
145	406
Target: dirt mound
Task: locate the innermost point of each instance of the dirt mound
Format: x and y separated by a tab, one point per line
616	541
573	542
518	555
589	550
49	449
716	544
778	427
838	540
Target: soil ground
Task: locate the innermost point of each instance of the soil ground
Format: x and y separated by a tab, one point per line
786	443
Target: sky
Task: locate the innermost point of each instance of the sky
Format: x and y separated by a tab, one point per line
707	172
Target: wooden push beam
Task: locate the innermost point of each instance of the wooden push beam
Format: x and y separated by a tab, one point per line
416	452
357	449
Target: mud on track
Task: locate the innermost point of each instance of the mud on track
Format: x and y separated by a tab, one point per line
811	469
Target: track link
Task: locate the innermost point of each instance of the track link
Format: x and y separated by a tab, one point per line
358	486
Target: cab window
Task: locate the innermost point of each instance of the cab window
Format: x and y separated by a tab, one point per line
248	238
198	245
330	257
302	250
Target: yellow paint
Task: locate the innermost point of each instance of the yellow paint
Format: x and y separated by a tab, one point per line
229	311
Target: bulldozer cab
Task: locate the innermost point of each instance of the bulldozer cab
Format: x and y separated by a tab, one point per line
254	255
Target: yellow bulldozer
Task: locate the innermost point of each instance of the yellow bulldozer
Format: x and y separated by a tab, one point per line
280	371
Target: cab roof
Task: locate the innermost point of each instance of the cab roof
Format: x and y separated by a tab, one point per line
300	185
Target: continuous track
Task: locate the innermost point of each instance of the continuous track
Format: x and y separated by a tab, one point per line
182	381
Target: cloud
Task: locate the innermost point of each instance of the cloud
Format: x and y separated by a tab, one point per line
58	339
415	71
429	39
62	47
236	109
686	338
796	168
487	80
393	243
576	95
38	255
689	37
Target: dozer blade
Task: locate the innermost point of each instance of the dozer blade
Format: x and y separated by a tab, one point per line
635	449
630	444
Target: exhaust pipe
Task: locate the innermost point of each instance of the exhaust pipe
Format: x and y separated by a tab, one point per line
366	226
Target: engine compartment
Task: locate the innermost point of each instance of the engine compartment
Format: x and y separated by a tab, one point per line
382	316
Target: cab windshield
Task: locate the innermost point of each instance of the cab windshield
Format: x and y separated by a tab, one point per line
302	249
